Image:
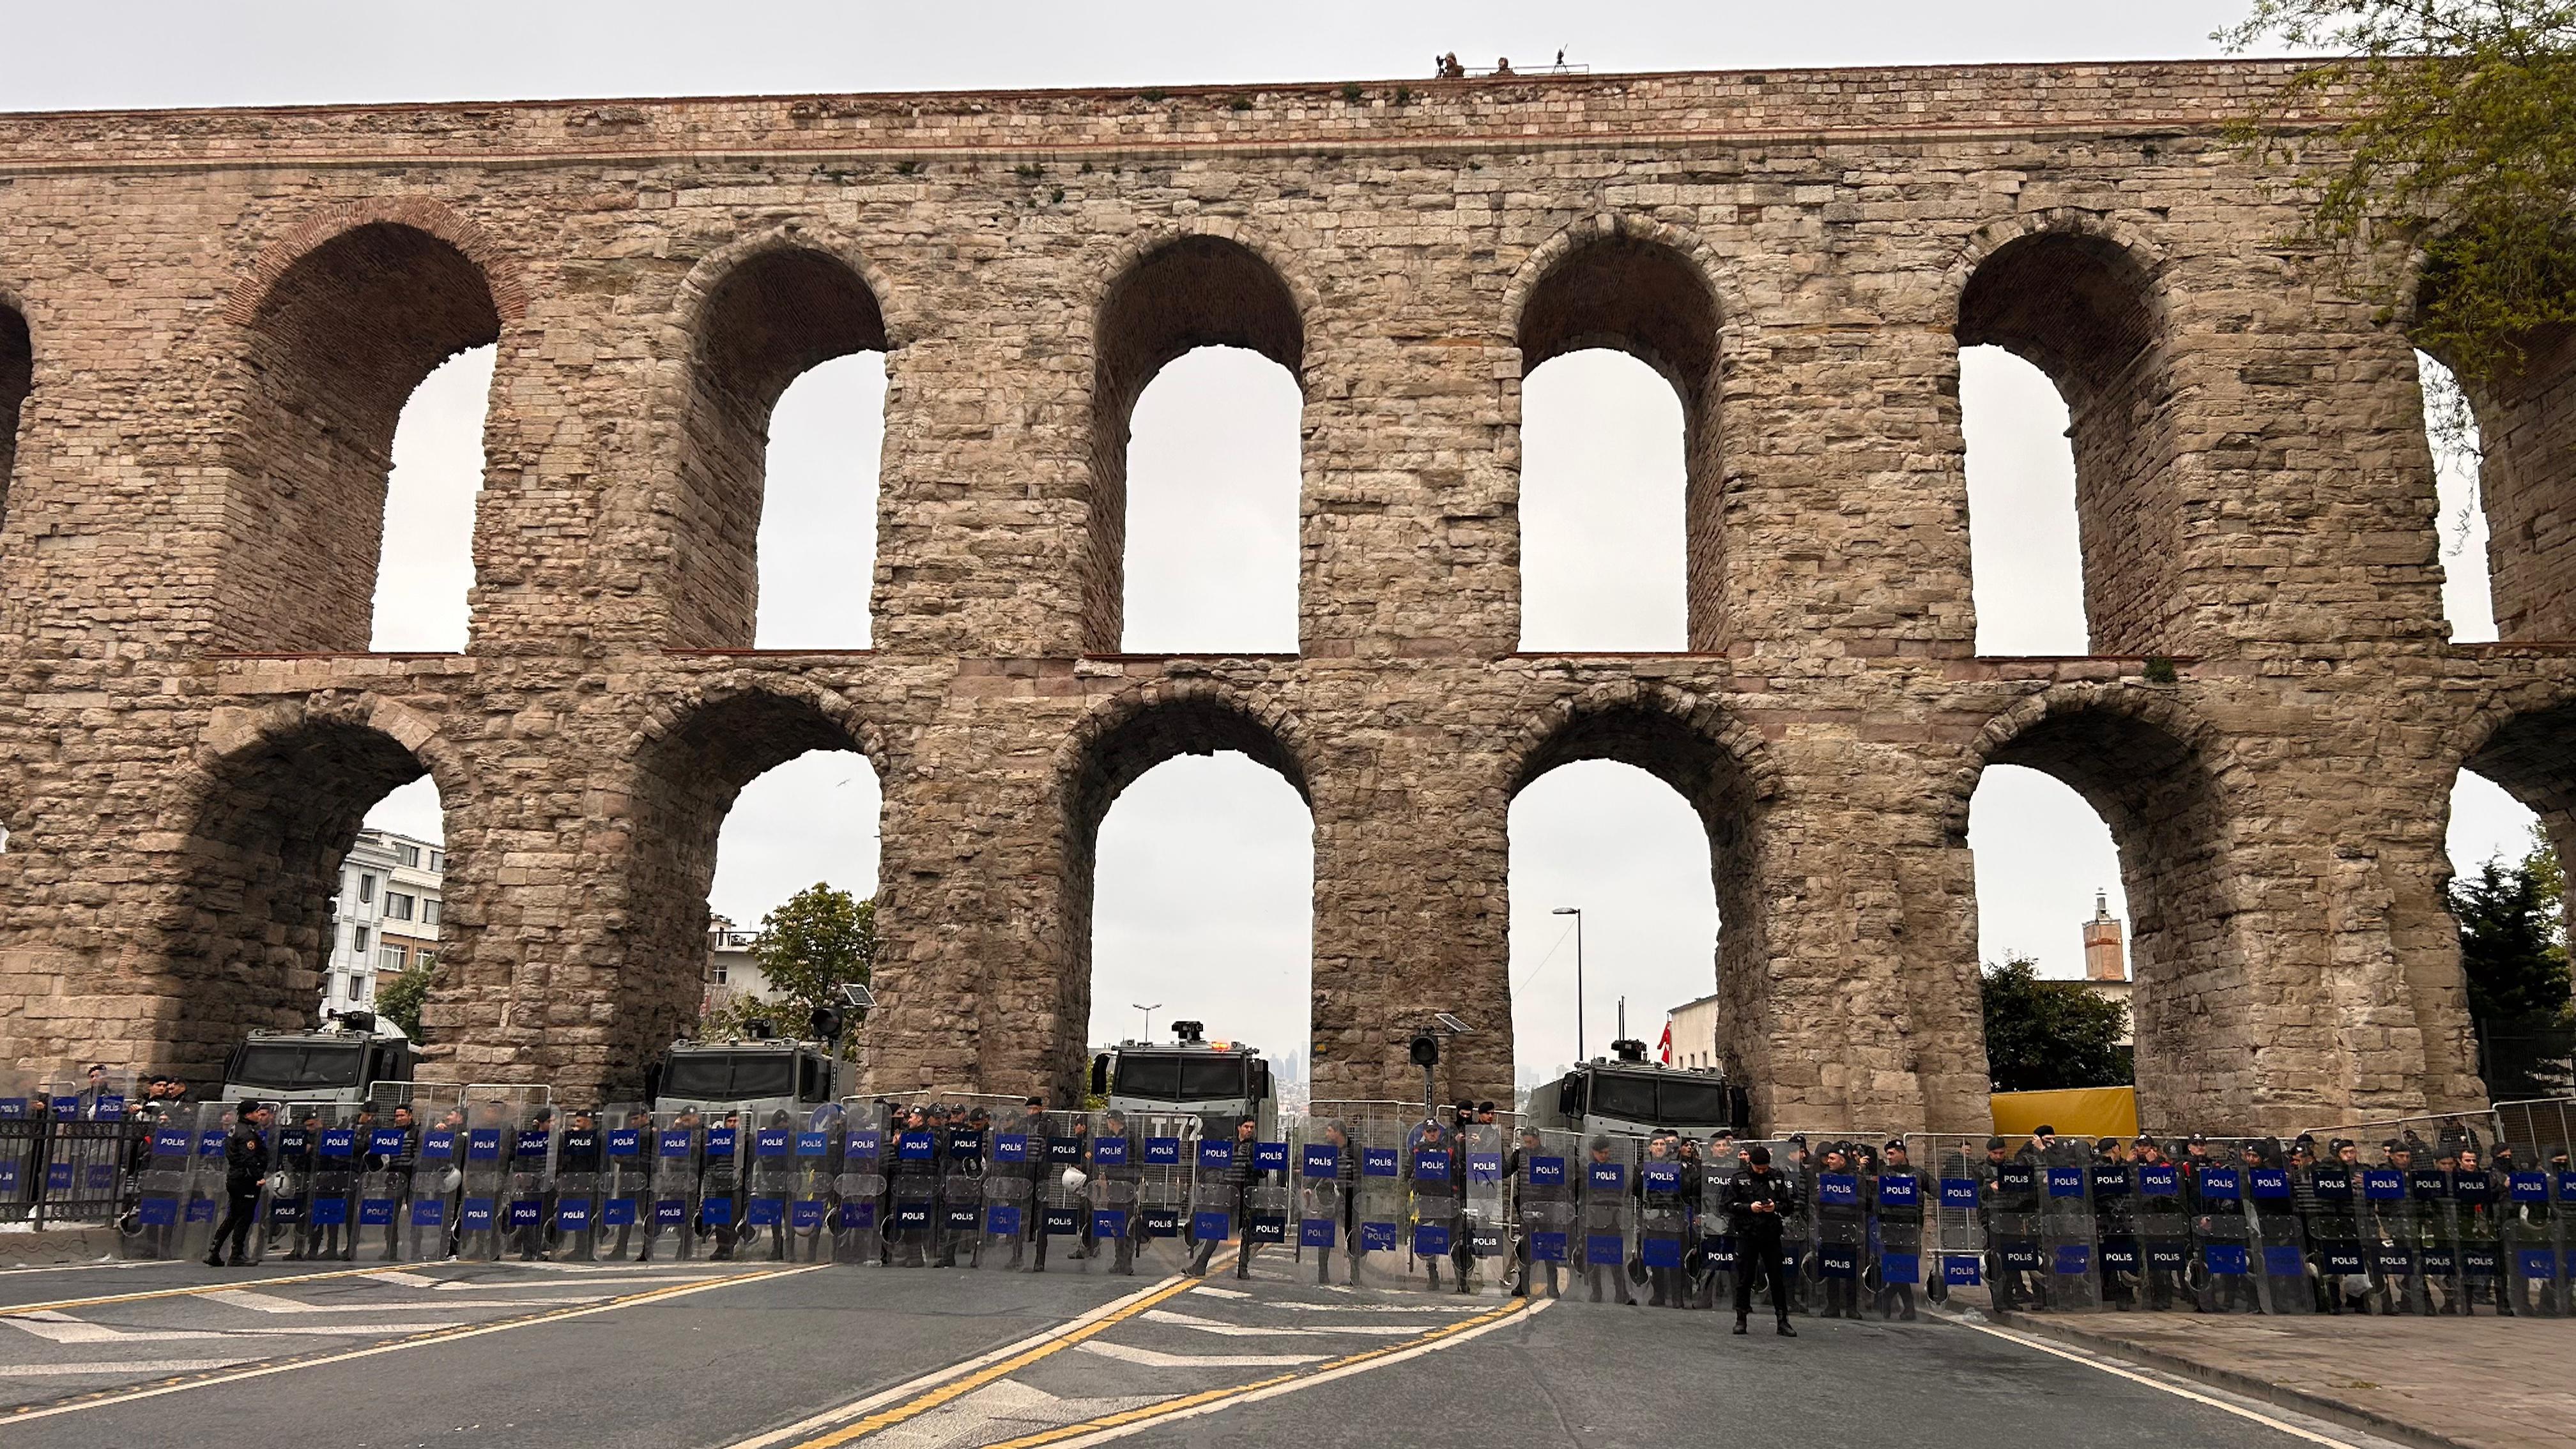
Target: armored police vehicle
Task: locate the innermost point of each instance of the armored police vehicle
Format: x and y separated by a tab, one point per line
1219	1082
757	1078
347	1061
1632	1095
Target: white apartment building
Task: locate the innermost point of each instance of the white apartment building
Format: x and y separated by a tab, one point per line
732	970
385	919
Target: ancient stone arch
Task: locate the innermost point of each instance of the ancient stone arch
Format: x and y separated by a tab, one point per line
2272	711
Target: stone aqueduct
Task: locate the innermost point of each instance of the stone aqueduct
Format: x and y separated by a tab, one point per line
212	318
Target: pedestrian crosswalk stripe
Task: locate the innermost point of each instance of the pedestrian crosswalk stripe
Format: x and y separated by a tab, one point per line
1156	1358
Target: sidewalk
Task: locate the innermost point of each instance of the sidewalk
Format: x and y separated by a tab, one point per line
2477	1383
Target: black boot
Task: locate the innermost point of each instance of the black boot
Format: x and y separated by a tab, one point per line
1786	1331
1739	1323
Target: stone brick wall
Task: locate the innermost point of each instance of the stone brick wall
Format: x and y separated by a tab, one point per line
222	310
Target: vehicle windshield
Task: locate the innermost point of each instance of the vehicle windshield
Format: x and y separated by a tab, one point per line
729	1076
1660	1101
298	1066
1176	1078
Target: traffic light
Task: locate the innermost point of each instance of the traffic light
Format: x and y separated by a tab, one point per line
1426	1050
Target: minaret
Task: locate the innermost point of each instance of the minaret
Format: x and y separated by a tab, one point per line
2103	958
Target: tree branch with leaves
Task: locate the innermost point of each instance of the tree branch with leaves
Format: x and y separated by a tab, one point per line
819	940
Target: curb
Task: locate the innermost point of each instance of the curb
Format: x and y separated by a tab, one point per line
57	1247
2334	1411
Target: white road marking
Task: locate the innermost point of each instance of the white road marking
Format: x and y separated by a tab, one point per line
1295	1305
2177	1390
145	1368
489	1285
275	1303
61	1328
1004	1409
861	1407
1156	1358
401	1279
1401	1355
1246	1330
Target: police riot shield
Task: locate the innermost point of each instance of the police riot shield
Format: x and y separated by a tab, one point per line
1954	1219
573	1204
2070	1271
2276	1238
1663	1221
1898	1195
2015	1277
858	1214
433	1191
1328	1171
293	1139
2336	1253
388	1157
161	1225
1269	1197
965	1156
678	1145
2222	1267
1713	1260
91	1097
1837	1216
207	1198
1546	1172
723	1166
1608	1217
491	1135
1432	1172
820	1141
531	1183
2538	1250
1220	1183
2479	1195
2429	1183
1483	1226
2113	1191
626	1143
2165	1250
1117	1180
330	1217
769	1183
1169	1143
1379	1244
1062	1241
1009	1190
2389	1235
912	1191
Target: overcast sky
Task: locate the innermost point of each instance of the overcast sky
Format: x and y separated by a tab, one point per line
1206	863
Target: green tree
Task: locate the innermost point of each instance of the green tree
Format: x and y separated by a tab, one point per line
401	1000
2510	949
2044	1034
818	941
2440	129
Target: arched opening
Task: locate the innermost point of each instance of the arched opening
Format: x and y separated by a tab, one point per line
1212	491
339	343
2512	821
766	323
1604	477
1152	895
2049	892
312	856
427	571
2083	311
1196	292
2026	557
1203	889
818	516
2189	999
740	804
1646	300
1649	825
2502	452
17	378
1625	849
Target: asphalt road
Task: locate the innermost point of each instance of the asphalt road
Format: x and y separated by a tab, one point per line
766	1356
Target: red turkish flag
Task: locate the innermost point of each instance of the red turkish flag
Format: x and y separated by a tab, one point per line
1664	1049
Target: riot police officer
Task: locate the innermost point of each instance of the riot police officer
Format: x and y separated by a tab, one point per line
1839	1223
2007	1191
577	1163
1337	1198
245	1165
1546	1205
1238	1184
399	1165
1896	1198
1754	1204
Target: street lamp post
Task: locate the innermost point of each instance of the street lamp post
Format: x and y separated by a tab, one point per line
1149	1018
1577	913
